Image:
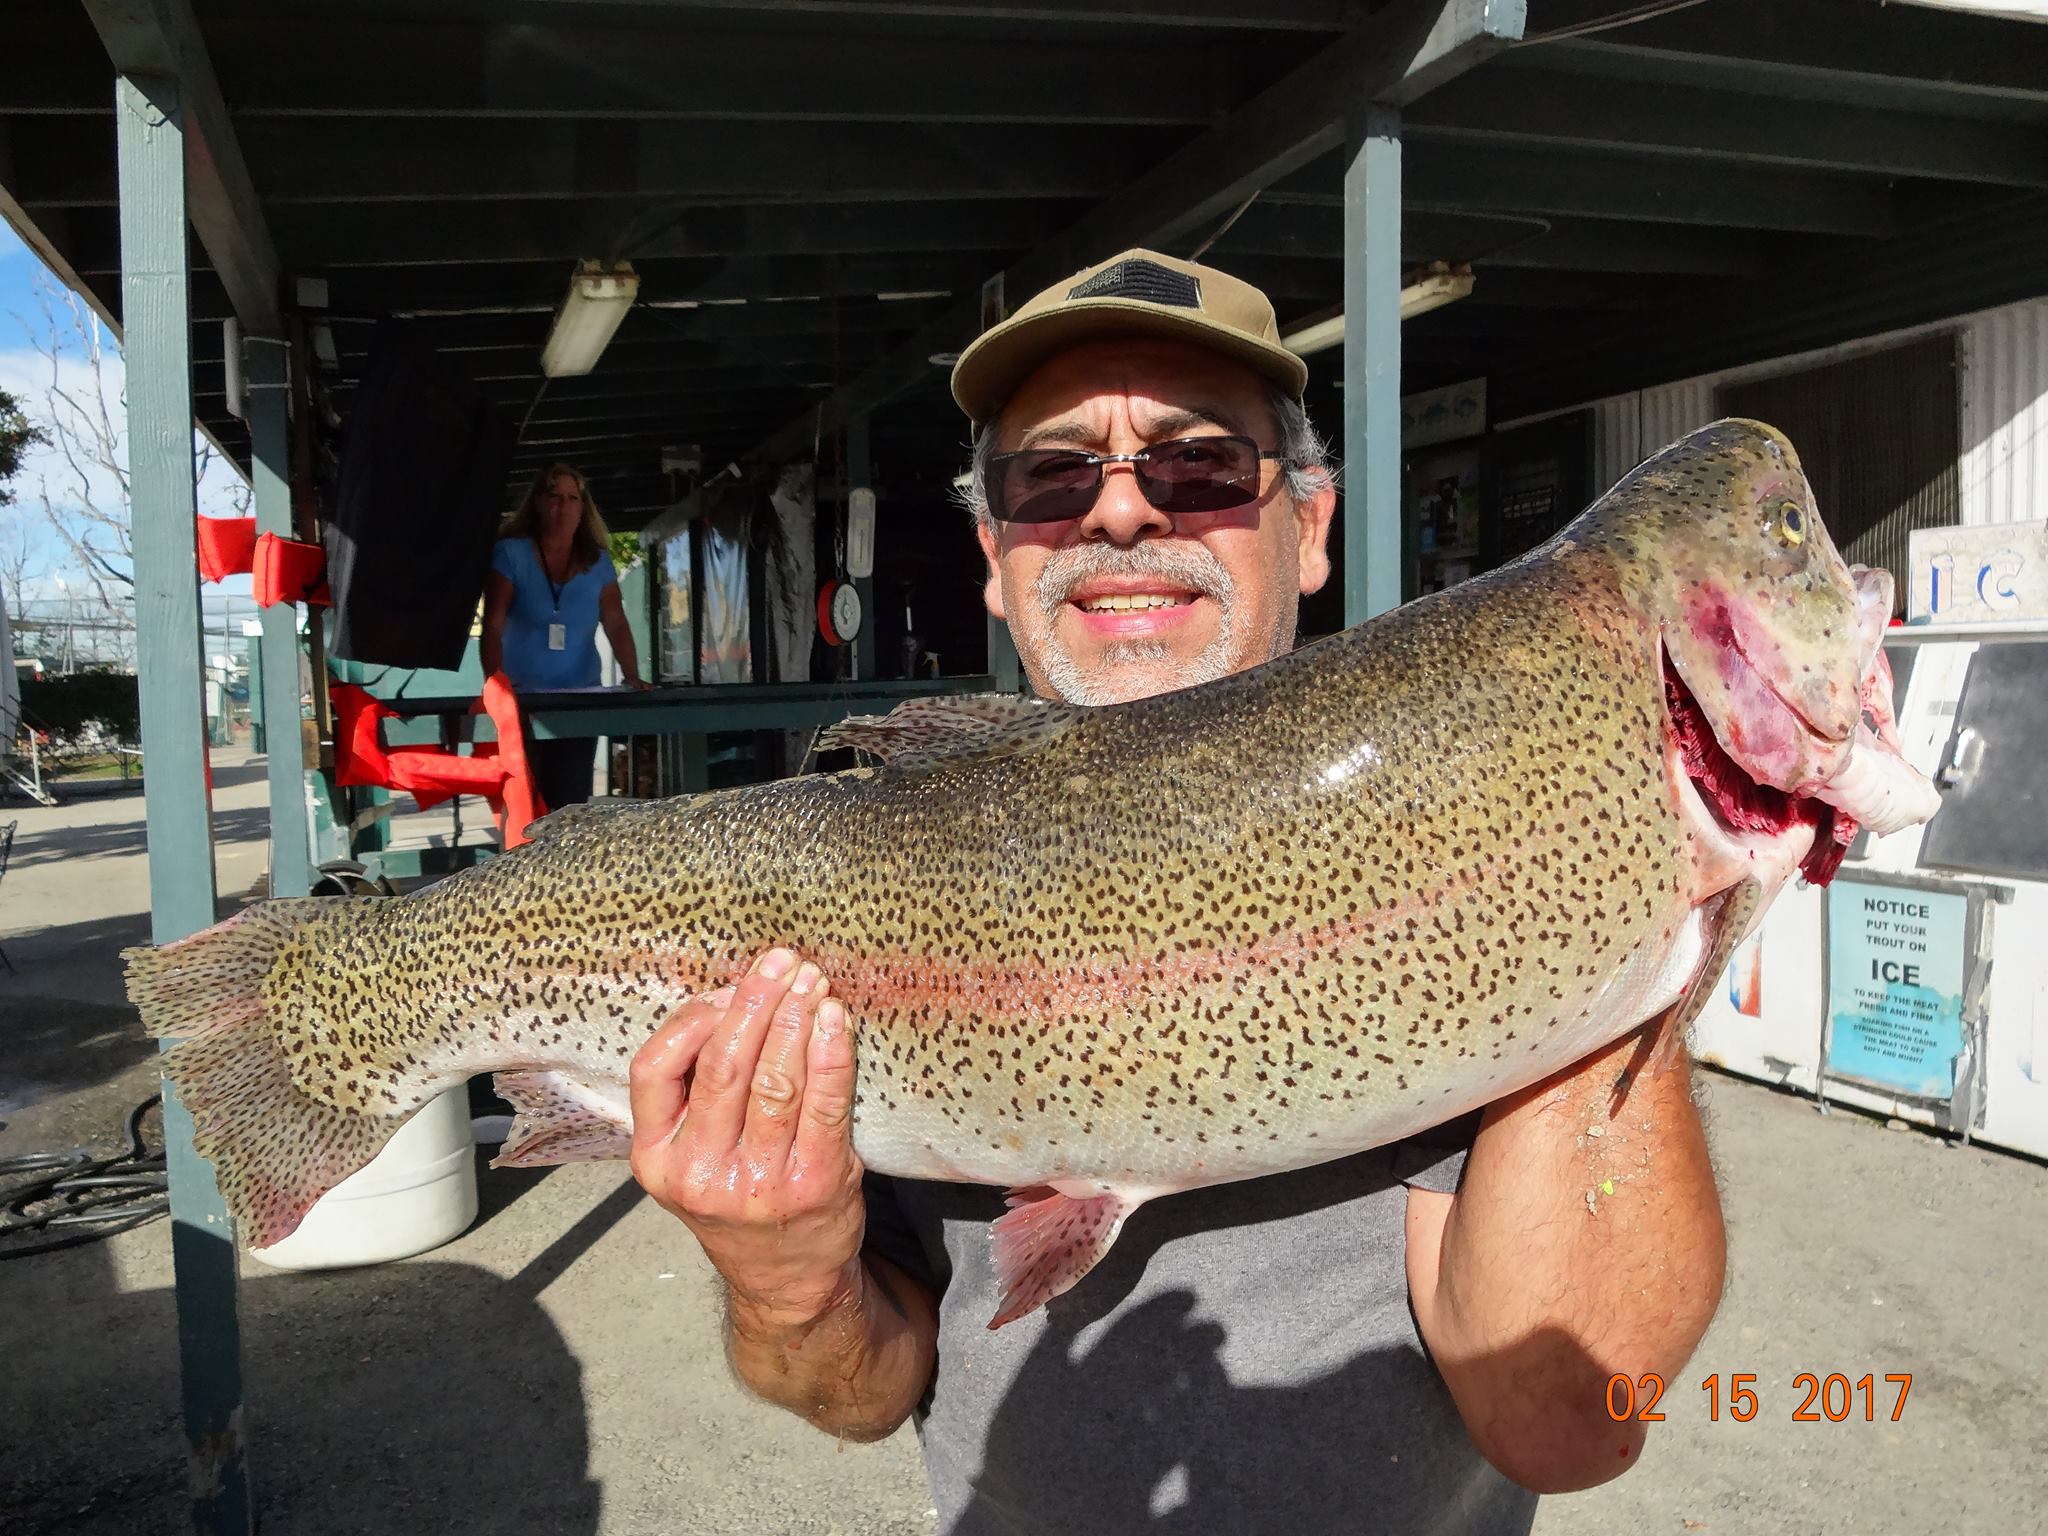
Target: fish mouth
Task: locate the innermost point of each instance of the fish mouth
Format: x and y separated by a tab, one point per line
1869	783
1827	737
1748	816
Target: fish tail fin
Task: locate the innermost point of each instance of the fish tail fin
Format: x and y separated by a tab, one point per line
275	1150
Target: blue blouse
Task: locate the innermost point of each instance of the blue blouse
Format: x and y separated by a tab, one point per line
536	604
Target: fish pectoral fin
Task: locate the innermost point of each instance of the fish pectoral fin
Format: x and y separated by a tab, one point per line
1047	1242
919	730
1728	920
561	1119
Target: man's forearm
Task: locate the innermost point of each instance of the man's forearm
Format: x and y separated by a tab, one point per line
1584	1243
857	1368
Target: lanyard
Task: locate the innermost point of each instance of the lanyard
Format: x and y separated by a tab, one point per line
554	587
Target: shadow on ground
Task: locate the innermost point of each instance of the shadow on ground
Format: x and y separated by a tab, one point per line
108	839
425	1397
55	1045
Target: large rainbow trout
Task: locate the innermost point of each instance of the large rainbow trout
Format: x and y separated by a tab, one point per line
1104	955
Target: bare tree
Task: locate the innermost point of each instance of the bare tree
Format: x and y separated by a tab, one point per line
14	563
84	420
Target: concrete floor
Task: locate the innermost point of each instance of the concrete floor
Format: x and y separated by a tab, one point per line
556	1369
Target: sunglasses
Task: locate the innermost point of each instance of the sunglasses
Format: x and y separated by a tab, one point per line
1187	475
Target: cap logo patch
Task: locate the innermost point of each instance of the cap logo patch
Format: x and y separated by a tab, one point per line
1143	280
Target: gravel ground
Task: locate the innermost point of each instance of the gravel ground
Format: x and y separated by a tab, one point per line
557	1369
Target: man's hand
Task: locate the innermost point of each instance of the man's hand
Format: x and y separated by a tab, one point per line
743	1129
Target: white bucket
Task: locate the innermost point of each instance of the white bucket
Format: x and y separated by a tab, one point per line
416	1194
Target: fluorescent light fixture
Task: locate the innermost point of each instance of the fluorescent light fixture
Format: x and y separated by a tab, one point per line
1440	285
599	297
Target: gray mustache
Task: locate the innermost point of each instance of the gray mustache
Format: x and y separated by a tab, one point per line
1194	568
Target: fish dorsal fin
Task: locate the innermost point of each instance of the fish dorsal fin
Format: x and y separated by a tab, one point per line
1047	1242
919	730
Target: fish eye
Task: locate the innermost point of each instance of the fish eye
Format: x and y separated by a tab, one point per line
1789	524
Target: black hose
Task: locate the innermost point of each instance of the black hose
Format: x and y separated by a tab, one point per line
52	1200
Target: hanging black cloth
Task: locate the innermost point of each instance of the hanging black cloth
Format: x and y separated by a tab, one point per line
421	494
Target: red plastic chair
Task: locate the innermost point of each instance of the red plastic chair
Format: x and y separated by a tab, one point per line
496	771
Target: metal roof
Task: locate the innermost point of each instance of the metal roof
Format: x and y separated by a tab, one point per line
814	190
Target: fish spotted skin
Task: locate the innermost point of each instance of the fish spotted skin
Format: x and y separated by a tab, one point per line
1242	928
1121	950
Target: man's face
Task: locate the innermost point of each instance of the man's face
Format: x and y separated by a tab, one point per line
1127	601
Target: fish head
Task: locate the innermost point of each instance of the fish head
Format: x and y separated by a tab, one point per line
1772	643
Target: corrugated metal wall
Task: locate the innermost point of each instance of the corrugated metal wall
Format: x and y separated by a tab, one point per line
1629	428
2002	401
1876	434
2004	380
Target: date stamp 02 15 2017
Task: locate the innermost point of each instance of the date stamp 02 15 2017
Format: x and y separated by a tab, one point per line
1829	1399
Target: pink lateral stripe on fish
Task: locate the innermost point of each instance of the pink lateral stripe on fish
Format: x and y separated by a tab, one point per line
1099	956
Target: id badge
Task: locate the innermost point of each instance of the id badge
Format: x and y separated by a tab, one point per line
558	637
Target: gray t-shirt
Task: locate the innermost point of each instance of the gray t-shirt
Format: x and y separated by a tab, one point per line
1243	1361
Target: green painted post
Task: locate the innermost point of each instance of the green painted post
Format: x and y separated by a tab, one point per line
860	475
259	740
1372	364
156	338
267	360
1003	662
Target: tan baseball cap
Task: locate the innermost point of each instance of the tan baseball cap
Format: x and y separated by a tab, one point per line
1136	293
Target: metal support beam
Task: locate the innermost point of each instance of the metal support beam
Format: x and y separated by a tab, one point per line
646	325
1891	56
1534	105
1374	567
1405	49
860	474
374	291
1499	178
267	372
1264	15
462	66
155	306
804	162
159	40
383	235
1496	240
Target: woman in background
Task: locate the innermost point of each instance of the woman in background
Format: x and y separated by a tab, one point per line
551	584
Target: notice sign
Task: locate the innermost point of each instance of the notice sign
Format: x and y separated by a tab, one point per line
1896	962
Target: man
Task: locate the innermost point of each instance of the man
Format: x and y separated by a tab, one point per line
1415	1339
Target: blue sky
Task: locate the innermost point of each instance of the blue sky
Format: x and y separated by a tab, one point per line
23	285
18	267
